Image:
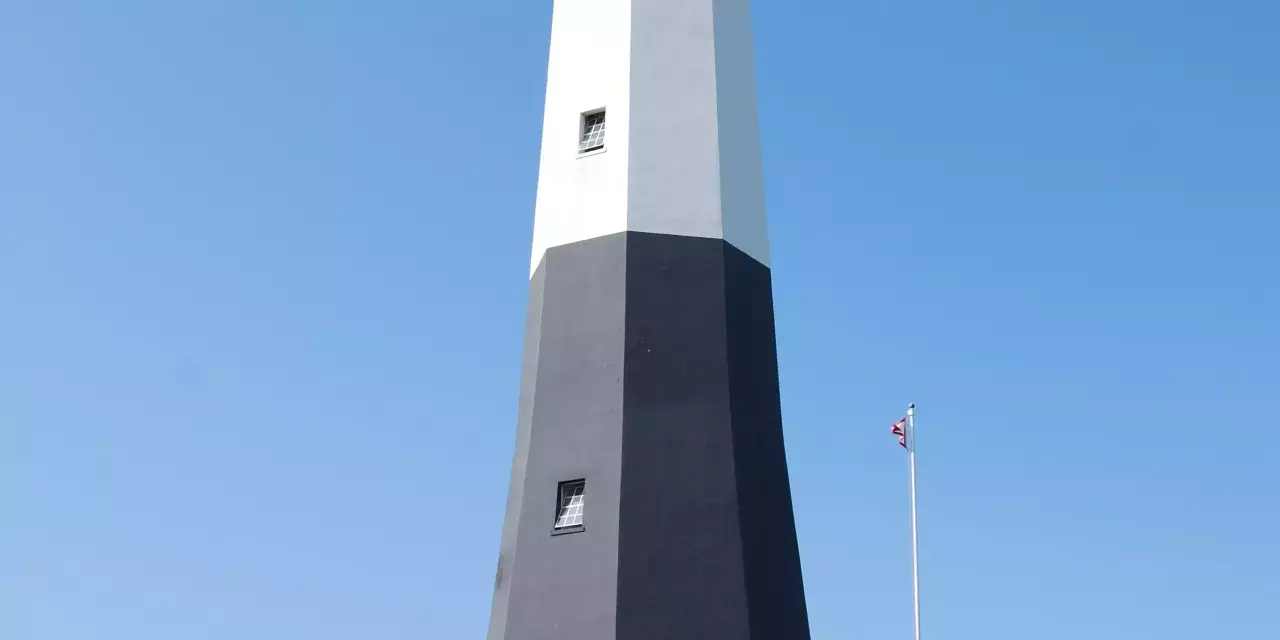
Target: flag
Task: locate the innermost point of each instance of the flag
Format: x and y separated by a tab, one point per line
900	429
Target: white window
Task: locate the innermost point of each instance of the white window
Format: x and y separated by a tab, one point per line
569	505
592	132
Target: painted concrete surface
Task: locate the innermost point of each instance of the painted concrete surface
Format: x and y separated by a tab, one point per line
654	377
589	68
682	145
564	587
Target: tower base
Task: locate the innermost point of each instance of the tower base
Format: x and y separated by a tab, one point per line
650	373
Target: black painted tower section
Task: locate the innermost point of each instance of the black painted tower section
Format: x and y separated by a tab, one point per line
650	371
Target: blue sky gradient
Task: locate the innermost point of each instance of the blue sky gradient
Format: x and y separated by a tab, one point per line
263	271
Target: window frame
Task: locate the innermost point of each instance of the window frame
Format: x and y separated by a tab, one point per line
582	133
560	496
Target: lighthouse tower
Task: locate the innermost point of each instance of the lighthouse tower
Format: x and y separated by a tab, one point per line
649	495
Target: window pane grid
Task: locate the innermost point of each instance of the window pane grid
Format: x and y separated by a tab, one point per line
571	504
592	132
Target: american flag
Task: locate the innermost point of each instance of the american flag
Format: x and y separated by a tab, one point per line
900	429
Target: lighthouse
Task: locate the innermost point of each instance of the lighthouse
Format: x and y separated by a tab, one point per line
649	494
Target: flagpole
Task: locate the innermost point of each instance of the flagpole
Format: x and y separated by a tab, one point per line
915	538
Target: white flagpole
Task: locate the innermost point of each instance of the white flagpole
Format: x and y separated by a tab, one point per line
915	539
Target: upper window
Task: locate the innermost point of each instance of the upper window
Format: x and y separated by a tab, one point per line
592	132
569	505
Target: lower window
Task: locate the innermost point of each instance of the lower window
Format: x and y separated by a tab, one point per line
569	504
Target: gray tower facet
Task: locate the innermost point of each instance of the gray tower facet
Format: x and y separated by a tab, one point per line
649	494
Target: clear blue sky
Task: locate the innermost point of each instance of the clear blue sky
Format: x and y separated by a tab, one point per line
263	275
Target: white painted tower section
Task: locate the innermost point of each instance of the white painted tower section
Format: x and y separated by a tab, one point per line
682	145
